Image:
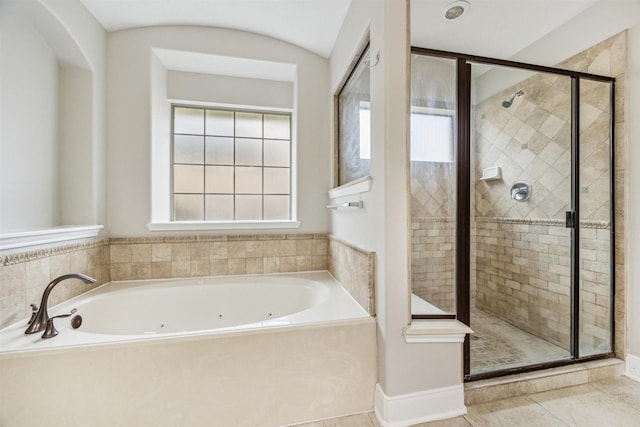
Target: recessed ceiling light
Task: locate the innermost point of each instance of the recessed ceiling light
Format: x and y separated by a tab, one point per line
454	10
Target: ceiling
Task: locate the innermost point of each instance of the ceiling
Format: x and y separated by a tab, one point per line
310	24
493	28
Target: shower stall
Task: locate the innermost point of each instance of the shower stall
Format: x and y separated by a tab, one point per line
511	208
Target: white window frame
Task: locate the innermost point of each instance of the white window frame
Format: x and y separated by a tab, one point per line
162	190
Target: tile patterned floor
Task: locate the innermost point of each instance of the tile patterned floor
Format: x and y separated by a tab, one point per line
497	344
609	403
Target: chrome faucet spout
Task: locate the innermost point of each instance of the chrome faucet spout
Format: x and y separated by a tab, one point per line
39	322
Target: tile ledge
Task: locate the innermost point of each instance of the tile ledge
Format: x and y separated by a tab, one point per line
360	185
221	225
545	373
47	235
435	331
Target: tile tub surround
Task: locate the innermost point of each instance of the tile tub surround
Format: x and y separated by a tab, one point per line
280	386
24	276
277	377
354	268
196	256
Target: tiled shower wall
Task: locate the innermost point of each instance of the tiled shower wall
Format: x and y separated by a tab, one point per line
522	249
432	261
525	241
523	276
433	233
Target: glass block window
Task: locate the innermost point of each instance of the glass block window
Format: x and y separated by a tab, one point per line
231	165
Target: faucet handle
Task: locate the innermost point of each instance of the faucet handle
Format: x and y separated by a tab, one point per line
51	331
34	311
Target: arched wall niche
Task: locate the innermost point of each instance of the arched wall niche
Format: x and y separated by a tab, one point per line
47	129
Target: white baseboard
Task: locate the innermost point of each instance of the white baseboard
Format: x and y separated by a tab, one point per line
633	367
420	407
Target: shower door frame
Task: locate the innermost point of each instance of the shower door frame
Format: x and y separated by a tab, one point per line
463	204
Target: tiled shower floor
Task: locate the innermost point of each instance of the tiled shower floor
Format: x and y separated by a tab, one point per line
495	344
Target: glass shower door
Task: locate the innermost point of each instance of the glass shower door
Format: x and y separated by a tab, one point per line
521	181
595	233
433	186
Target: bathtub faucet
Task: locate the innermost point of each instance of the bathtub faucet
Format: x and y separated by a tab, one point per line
39	320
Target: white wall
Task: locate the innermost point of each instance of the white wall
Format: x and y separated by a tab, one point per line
633	208
83	44
76	170
29	75
52	115
211	88
129	113
160	135
382	225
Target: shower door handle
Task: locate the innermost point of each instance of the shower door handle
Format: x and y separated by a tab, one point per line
570	219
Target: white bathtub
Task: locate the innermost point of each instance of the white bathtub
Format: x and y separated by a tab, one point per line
161	309
263	350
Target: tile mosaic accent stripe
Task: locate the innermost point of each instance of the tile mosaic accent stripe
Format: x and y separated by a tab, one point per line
19	257
543	221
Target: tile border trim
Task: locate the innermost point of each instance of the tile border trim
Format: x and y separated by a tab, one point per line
543	221
527	221
19	257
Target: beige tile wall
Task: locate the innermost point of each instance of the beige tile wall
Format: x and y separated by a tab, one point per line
193	256
523	275
354	268
530	141
433	189
23	276
432	261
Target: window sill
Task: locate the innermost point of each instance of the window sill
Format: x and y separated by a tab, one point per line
361	185
47	235
435	331
220	225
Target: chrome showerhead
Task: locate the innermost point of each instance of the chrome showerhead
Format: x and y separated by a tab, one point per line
507	104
